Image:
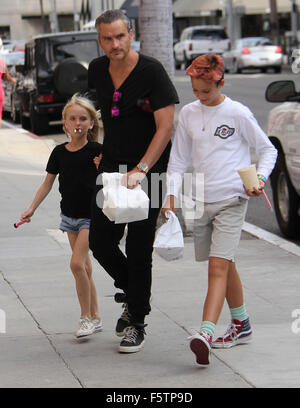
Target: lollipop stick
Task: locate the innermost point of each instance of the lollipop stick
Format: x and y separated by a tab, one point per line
267	200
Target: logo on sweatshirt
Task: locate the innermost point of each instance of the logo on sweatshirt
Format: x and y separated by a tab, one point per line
224	131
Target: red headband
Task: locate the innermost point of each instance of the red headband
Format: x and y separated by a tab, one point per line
209	67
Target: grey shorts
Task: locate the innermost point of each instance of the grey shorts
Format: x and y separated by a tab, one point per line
73	225
217	233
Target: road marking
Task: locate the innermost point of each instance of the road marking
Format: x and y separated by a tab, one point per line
186	78
9	125
22	172
272	238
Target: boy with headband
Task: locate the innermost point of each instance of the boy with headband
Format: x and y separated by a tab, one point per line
215	133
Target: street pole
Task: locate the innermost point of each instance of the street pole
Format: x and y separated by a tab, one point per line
230	24
294	12
76	15
274	21
53	17
96	8
43	16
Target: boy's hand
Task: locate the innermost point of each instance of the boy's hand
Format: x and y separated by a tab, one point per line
256	192
169	205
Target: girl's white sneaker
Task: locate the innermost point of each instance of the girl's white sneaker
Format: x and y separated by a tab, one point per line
86	327
97	324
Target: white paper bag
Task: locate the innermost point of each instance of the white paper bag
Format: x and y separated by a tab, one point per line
169	243
121	204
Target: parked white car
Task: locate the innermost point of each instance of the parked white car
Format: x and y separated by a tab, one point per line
199	40
284	132
253	52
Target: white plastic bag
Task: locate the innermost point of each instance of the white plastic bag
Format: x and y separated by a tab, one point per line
121	204
169	243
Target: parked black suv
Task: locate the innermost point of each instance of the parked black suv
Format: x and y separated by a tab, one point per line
55	68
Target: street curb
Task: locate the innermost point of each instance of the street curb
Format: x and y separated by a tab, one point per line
271	238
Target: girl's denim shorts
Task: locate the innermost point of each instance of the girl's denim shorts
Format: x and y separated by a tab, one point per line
73	225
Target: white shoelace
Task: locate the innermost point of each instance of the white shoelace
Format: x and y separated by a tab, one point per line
205	335
131	334
85	324
231	331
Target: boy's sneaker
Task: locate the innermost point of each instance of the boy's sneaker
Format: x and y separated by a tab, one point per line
86	327
97	324
238	332
133	339
200	344
123	322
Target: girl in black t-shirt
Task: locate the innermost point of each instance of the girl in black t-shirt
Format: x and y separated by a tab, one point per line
76	163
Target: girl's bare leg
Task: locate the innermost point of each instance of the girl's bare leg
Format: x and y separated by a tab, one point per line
80	248
94	311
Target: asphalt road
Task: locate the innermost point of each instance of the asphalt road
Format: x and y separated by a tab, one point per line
248	88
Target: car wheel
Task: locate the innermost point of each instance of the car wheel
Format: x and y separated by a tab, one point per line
15	114
71	76
286	200
25	123
277	70
186	62
235	69
38	123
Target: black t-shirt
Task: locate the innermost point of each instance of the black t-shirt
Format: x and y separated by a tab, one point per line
77	176
128	135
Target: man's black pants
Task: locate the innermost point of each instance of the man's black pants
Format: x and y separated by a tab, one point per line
131	272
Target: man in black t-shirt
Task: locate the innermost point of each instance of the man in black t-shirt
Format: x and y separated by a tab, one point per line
136	99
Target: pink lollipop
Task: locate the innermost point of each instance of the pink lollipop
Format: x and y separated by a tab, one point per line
17	224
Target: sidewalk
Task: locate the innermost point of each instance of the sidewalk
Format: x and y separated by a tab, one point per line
38	299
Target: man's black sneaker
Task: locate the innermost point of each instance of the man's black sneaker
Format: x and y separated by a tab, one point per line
133	339
123	322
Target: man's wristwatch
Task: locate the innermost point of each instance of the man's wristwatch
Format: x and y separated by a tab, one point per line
143	167
261	177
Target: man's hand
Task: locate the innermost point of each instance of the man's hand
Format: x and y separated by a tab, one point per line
97	160
133	178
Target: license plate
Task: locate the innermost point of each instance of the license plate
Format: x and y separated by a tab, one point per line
264	59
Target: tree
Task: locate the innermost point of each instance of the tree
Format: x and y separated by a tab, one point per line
156	37
274	21
156	31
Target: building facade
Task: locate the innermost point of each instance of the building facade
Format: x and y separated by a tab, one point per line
23	19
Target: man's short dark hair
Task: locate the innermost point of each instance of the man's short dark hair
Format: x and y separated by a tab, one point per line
109	16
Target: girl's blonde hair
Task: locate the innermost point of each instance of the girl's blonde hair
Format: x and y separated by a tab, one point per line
84	102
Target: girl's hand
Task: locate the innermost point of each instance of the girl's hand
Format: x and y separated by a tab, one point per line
256	192
169	205
97	160
26	216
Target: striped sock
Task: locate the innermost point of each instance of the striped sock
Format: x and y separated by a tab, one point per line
208	327
239	313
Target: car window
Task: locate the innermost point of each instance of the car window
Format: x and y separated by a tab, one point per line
81	50
14	58
205	34
254	42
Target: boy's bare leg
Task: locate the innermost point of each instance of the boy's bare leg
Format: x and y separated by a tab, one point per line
234	294
218	269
